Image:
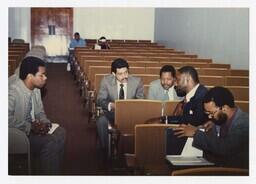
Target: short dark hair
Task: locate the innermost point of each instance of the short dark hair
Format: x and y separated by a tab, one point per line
76	33
191	71
168	68
103	37
119	63
220	96
29	65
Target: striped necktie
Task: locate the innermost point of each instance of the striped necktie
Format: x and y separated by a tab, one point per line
121	92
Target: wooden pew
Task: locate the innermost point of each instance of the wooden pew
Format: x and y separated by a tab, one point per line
149	155
239	92
244	105
211	171
129	113
237	81
212	80
236	72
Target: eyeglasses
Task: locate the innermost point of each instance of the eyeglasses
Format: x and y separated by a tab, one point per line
211	114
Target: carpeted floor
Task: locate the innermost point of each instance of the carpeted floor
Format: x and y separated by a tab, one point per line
63	105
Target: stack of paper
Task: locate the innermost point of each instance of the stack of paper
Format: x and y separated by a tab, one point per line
187	160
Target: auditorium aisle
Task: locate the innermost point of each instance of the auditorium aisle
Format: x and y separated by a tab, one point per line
63	105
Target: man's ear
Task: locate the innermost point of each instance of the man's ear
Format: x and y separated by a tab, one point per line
29	75
224	107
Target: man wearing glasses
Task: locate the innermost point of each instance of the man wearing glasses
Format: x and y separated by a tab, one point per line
225	140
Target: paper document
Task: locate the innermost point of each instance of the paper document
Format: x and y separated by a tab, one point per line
53	128
189	150
187	161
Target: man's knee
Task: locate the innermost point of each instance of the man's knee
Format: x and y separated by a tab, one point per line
102	122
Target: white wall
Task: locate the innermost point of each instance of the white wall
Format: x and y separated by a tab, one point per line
19	23
115	23
218	33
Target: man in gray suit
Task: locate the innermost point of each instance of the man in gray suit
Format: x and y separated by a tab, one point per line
163	88
117	85
225	140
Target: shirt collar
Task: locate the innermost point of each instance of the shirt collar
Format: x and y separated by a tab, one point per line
168	90
24	87
191	93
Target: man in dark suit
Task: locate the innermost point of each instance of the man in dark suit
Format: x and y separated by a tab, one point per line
227	142
190	110
117	85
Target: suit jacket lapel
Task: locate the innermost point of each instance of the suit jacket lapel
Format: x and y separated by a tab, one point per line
114	87
129	88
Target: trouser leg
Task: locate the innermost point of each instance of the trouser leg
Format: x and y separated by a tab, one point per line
102	128
49	149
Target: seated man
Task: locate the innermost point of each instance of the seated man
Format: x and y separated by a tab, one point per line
102	43
26	112
227	142
77	41
163	88
118	85
190	110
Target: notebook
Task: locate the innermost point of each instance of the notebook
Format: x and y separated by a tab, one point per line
53	128
179	160
179	151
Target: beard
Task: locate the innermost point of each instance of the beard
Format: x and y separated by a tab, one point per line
166	87
222	119
180	91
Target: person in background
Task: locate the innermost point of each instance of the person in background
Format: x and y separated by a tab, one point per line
102	43
226	142
190	110
77	41
115	86
26	112
163	88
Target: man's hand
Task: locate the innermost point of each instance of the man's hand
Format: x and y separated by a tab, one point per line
185	130
40	128
112	106
207	126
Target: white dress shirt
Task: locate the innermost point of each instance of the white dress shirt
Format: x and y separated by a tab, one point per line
191	93
118	90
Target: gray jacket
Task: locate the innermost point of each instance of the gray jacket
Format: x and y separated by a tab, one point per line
157	92
108	90
18	100
231	150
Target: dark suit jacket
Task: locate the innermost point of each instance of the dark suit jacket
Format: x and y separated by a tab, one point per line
232	150
193	111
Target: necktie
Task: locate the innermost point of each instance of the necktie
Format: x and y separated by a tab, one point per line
178	111
166	96
29	108
121	92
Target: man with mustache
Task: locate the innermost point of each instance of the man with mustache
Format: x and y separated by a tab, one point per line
115	86
190	110
163	88
227	142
